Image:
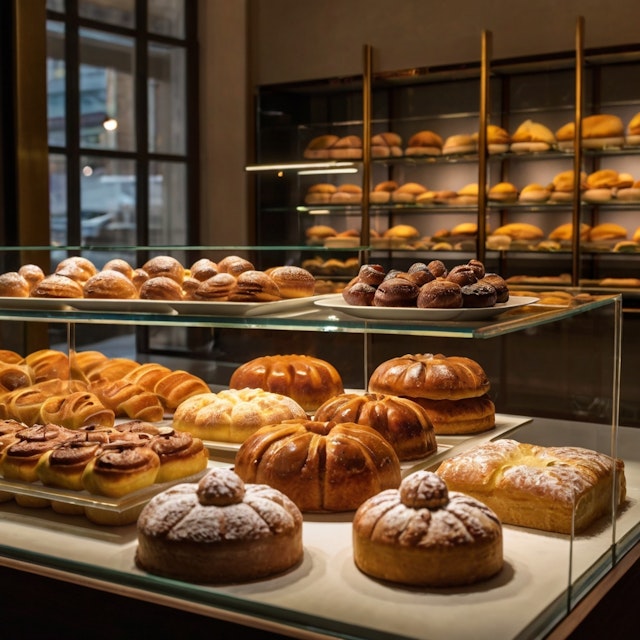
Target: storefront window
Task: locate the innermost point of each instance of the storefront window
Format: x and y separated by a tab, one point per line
116	12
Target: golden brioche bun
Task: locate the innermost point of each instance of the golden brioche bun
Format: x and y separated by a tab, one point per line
634	125
606	178
411	187
320	231
532	136
608	231
520	231
459	143
534	192
387	185
565	232
424	143
465	229
404	231
564	180
503	191
322	187
598	130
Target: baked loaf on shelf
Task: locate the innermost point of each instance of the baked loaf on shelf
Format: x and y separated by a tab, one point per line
308	380
557	489
402	422
321	466
423	534
452	390
232	415
219	530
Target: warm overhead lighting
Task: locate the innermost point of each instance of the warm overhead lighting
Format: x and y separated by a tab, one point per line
298	165
110	124
87	171
312	172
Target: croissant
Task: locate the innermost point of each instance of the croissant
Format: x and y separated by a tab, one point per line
14	376
48	364
76	410
179	385
148	375
128	399
84	362
113	369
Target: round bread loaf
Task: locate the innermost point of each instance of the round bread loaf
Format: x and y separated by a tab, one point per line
219	530
110	284
432	376
14	285
402	422
455	539
293	282
308	380
321	466
460	417
231	415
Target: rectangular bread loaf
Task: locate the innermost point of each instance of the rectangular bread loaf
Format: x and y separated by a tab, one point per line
538	487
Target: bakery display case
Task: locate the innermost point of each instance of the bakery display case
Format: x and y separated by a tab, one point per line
419	197
545	575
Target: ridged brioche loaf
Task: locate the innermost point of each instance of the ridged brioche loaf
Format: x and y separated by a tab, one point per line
321	466
400	421
308	380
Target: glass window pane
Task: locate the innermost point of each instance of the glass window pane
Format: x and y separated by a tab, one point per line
58	198
56	5
166	17
56	89
167	203
167	99
118	12
108	203
106	91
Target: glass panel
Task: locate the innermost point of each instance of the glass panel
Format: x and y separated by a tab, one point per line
166	94
58	198
108	204
56	5
167	203
56	71
166	17
106	91
118	12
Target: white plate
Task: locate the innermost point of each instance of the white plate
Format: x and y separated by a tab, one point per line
337	303
124	306
242	308
36	304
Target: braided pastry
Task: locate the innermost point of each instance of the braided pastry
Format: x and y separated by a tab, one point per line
75	410
113	369
179	385
48	364
128	399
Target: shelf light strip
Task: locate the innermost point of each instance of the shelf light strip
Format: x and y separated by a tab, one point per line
301	165
313	172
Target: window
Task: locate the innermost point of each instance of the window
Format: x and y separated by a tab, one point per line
122	115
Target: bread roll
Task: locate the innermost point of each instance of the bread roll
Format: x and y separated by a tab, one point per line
76	268
320	193
318	147
32	273
347	147
407	193
120	265
424	143
235	265
564	232
467	195
13	285
503	192
498	139
520	231
57	286
531	137
534	193
109	284
460	417
293	282
598	131
203	269
607	231
538	487
385	145
633	131
218	288
459	144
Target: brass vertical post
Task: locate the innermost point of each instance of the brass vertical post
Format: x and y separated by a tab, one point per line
366	150
577	152
482	144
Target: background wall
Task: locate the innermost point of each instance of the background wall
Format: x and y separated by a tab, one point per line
245	43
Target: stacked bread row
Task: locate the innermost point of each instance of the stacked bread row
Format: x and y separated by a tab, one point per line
233	278
598	131
105	461
90	389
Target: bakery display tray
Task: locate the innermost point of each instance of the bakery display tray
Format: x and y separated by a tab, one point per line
169	307
337	303
90	500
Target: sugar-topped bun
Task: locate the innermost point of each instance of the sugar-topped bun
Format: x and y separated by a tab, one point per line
219	530
231	415
455	539
293	282
110	284
77	268
57	286
14	285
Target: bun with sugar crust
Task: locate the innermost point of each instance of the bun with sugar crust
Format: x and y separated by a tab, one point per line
424	143
532	136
